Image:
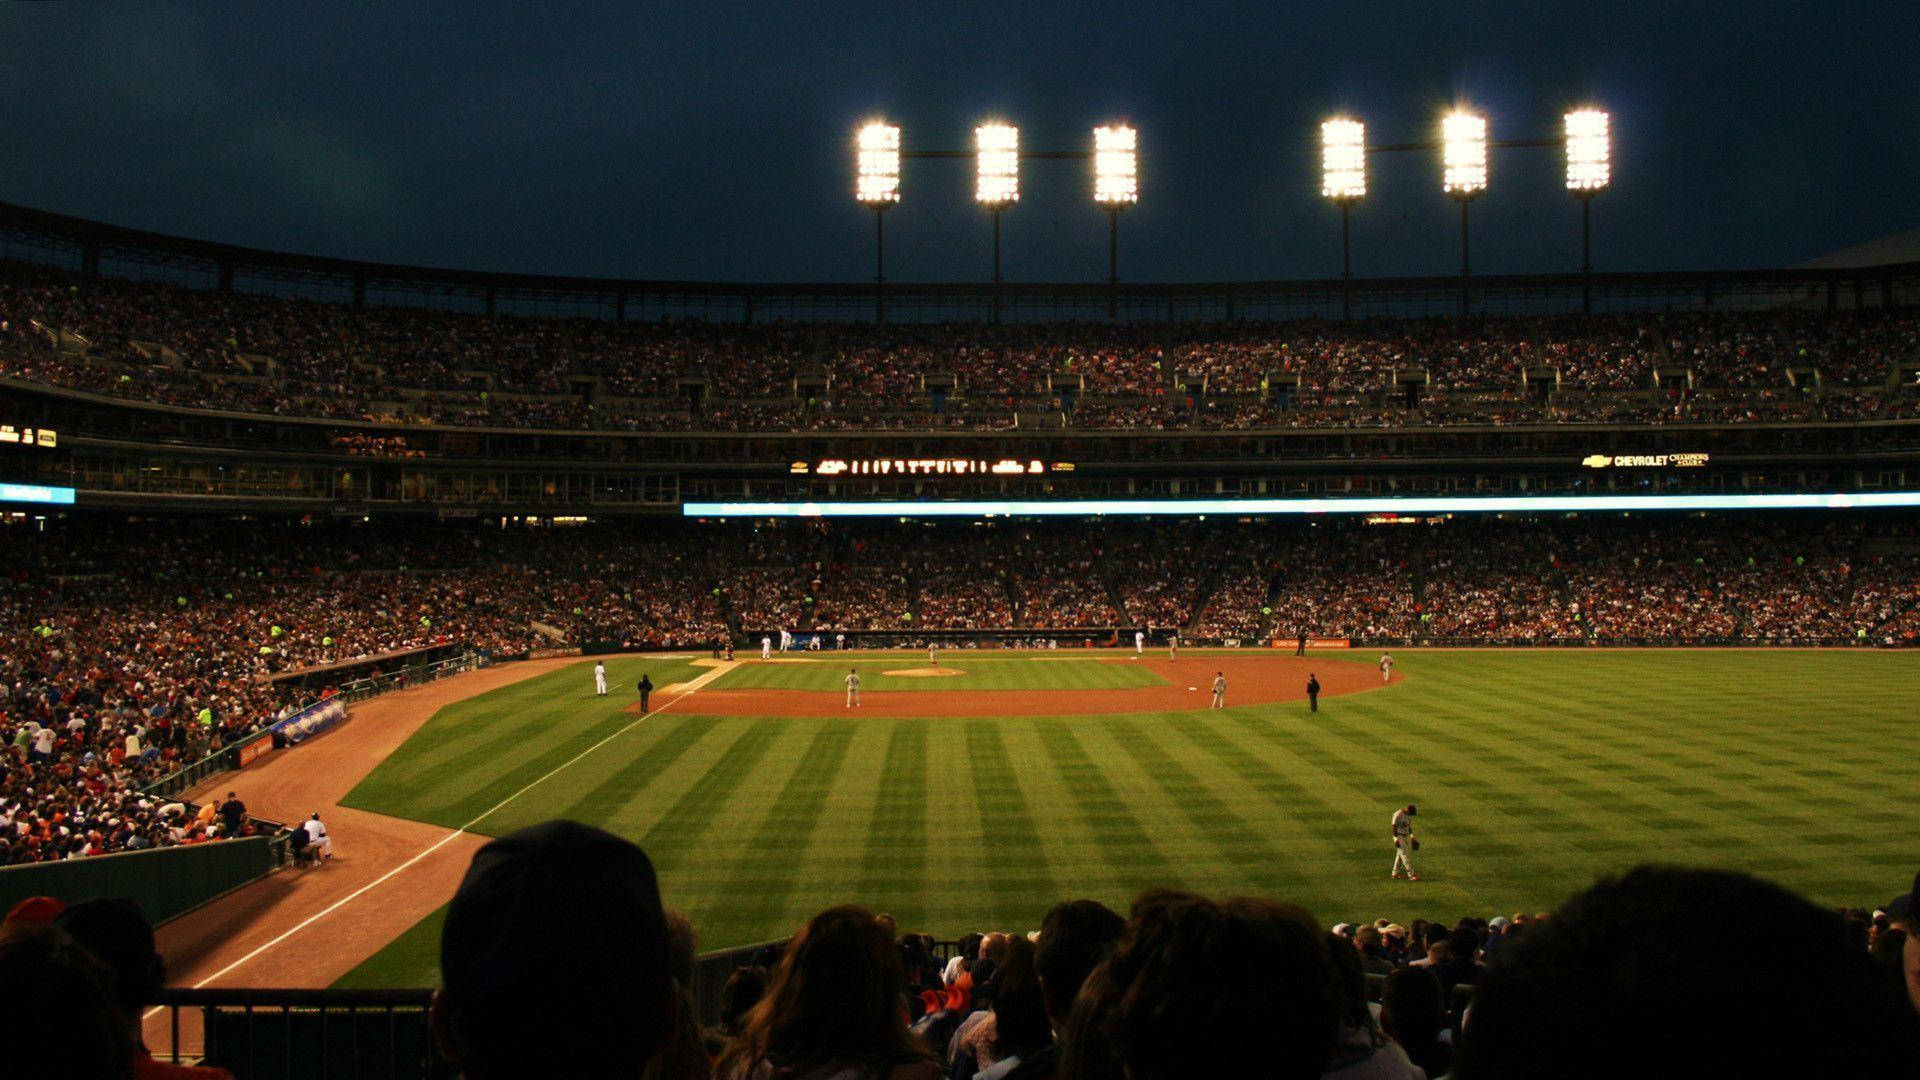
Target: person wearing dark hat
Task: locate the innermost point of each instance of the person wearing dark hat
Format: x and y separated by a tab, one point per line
553	959
120	937
646	691
60	1014
1313	692
1404	845
1902	913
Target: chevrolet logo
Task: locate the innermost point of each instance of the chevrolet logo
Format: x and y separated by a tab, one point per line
1596	461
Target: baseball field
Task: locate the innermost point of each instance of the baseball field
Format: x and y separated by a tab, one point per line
977	799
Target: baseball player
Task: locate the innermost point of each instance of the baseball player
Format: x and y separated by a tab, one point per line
1219	689
786	640
933	655
853	689
1139	642
600	678
317	841
839	642
1404	845
1386	666
1313	692
1173	645
766	648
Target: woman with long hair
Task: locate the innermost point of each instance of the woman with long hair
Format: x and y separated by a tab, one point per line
834	1010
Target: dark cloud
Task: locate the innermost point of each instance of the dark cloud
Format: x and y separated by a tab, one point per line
710	141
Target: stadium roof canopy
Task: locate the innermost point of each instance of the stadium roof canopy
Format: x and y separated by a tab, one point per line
1901	247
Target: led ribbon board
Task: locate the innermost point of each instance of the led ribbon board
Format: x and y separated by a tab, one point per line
1474	504
34	493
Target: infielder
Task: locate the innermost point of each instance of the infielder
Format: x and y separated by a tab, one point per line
766	648
1173	645
853	688
839	642
1386	667
600	678
786	640
1220	690
1139	642
933	655
1404	845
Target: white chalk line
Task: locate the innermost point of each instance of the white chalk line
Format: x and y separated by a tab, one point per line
691	687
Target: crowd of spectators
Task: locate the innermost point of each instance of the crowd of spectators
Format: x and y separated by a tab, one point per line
207	349
1653	973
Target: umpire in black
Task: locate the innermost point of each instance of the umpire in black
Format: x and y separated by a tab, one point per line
1313	692
646	690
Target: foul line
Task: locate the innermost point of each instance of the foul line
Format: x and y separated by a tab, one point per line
690	688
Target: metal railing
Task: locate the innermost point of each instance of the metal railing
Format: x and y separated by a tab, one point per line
297	1034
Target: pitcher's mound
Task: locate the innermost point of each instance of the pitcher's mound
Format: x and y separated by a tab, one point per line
924	672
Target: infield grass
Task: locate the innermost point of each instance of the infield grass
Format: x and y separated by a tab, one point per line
1535	771
976	672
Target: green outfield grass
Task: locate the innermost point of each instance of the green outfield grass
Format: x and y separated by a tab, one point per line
977	673
1535	771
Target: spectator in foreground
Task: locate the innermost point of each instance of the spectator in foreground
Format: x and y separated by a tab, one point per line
61	1016
1017	1026
1075	938
834	1007
1413	1013
1909	921
1668	972
553	959
1202	988
1361	1052
120	938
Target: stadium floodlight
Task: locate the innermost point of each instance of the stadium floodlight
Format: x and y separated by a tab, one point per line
1116	185
1343	178
876	184
1463	144
996	165
1116	179
1343	159
1589	151
877	166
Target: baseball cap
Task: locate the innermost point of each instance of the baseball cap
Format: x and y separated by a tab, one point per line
556	943
1344	929
1900	908
115	932
1499	921
35	911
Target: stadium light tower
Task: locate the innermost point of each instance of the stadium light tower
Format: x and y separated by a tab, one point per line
1463	151
1116	186
1343	178
1589	169
877	185
996	182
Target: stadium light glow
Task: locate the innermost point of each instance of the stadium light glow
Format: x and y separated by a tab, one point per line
1116	180
1589	151
996	149
1474	504
1343	159
1463	149
877	165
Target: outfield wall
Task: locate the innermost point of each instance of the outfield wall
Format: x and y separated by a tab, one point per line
164	882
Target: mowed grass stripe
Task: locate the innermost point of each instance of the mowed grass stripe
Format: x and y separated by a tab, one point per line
1534	771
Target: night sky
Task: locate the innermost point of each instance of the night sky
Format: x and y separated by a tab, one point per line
712	141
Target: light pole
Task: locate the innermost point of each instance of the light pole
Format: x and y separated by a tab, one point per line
1589	170
877	185
1116	186
1343	178
1463	148
996	184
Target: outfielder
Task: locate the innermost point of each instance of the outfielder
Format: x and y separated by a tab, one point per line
1404	845
600	678
1386	667
853	688
766	648
1220	690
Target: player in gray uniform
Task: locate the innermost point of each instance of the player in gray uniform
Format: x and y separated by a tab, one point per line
853	688
1404	845
1220	690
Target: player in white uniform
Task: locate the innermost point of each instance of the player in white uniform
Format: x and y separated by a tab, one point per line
600	678
933	656
1139	642
1404	843
766	648
317	840
1220	690
1173	645
1386	666
853	688
786	640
